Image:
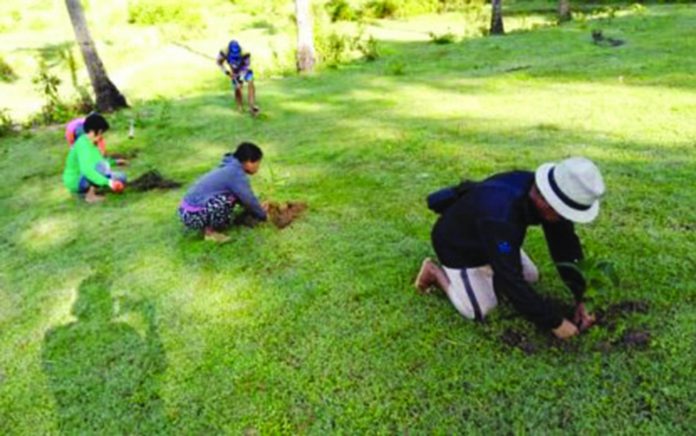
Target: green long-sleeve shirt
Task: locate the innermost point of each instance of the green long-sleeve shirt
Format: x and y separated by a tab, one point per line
82	160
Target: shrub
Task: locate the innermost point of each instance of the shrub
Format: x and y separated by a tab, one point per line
6	124
7	74
54	108
403	8
369	48
445	38
332	48
341	10
264	24
47	84
147	13
637	8
396	67
457	5
381	8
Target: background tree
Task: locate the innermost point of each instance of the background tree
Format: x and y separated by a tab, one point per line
109	98
497	17
564	10
305	37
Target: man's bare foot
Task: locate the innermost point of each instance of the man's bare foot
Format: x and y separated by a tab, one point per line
428	276
92	197
214	236
254	110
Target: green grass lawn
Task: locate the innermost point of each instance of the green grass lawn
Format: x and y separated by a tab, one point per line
114	320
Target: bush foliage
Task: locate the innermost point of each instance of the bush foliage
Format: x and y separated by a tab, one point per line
7	74
344	10
159	11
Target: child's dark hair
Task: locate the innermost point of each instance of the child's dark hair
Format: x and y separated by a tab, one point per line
95	123
248	152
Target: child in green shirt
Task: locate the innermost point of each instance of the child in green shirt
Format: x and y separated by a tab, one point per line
85	168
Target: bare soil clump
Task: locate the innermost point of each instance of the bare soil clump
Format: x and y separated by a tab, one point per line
633	338
152	180
515	339
280	214
599	39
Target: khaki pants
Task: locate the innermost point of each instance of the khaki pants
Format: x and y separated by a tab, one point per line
471	289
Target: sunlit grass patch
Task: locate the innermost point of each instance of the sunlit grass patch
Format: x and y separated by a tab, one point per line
50	233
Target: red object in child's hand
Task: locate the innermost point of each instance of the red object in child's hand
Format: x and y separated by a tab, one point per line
117	186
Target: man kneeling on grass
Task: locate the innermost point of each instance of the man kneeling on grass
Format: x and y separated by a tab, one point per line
478	239
208	204
85	168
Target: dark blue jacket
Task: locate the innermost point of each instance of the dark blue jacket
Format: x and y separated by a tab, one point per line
228	179
487	226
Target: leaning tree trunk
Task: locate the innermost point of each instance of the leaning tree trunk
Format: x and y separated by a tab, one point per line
305	37
497	17
109	98
564	10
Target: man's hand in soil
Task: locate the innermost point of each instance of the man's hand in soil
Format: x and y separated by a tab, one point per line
264	206
566	330
582	319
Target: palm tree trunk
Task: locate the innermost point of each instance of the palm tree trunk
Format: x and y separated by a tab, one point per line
109	98
305	37
497	18
564	10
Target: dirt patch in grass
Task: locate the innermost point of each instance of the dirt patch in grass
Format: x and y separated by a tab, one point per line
128	155
152	180
610	316
280	214
515	339
636	338
599	39
633	338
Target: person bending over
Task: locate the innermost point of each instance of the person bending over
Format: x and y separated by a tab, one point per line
208	204
86	169
240	71
479	235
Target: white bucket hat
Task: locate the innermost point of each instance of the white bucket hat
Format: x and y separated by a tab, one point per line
572	188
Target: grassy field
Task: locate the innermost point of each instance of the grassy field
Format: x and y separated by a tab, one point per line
114	320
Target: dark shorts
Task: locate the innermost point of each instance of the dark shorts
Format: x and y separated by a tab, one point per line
242	76
104	169
216	214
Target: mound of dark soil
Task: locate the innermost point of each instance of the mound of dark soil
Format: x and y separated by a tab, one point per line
152	180
280	214
609	317
636	338
599	39
632	338
515	339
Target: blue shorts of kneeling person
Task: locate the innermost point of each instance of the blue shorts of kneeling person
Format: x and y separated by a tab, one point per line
103	168
208	204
